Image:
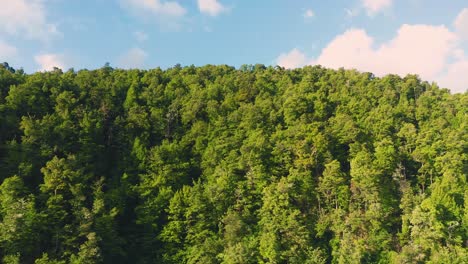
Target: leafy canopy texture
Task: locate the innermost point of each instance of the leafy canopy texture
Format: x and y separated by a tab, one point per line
216	164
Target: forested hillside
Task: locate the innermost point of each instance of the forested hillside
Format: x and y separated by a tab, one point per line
216	164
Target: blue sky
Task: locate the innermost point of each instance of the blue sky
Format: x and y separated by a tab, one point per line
426	37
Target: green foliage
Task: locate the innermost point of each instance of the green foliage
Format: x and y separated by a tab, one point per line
221	165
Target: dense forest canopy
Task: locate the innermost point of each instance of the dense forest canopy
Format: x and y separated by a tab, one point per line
216	164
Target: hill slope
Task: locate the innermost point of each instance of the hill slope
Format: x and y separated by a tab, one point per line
221	165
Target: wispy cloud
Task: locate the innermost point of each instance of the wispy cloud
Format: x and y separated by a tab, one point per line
133	58
140	36
155	7
309	13
461	24
169	15
376	6
211	7
7	51
26	18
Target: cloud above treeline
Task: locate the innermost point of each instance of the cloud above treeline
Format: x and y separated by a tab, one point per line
433	52
47	61
133	58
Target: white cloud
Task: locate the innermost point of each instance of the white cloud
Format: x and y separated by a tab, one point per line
456	77
376	6
461	23
156	7
211	7
7	52
48	61
133	58
309	13
433	52
418	49
140	36
26	18
292	59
